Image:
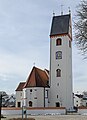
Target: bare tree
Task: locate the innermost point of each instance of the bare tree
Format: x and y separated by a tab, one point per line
80	26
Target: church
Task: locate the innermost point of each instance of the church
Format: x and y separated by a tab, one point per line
53	87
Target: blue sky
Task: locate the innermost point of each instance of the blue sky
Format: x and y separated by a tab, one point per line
24	40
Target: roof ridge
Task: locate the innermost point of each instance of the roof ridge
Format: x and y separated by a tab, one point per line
62	15
22	82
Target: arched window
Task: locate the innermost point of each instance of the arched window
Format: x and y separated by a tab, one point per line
58	73
30	103
58	41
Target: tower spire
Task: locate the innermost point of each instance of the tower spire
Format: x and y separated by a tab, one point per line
53	13
62	9
69	10
34	64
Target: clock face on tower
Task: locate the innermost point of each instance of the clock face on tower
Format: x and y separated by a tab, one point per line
59	55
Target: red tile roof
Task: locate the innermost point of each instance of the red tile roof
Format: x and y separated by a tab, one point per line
37	78
20	86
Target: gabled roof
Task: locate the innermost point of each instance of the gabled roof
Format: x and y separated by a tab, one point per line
37	78
60	25
20	86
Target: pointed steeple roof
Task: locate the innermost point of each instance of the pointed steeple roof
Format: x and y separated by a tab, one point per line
37	78
60	25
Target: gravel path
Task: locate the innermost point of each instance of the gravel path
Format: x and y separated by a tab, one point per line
56	117
61	117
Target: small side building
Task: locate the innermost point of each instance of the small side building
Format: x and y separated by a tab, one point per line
19	94
78	98
34	92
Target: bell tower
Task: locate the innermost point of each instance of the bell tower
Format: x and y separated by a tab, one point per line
61	62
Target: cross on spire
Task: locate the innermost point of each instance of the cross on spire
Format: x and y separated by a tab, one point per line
62	9
69	10
53	13
34	64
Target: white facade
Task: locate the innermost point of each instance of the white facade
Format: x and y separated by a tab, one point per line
19	96
77	101
61	87
33	97
34	111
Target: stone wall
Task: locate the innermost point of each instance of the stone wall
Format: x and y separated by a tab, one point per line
34	111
